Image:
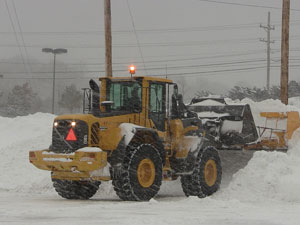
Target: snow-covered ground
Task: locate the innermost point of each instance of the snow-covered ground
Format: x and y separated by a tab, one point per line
257	189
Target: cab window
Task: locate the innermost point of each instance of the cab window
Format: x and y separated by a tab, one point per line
126	96
156	97
157	106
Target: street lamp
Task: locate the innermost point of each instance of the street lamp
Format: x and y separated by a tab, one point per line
54	52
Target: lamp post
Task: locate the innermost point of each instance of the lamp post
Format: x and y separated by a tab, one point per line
54	52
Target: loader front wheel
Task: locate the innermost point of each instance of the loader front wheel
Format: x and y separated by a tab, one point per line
206	176
70	189
140	175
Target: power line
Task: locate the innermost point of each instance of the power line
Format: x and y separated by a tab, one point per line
21	34
198	73
177	59
158	68
156	44
136	36
102	64
246	53
160	61
137	62
215	72
154	30
151	44
207	56
247	5
17	40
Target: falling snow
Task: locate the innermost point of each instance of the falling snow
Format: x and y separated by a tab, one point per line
257	189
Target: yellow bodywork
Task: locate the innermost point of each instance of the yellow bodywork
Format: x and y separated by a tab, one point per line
78	161
73	166
278	137
80	165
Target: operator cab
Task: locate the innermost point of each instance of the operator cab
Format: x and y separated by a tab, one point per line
152	98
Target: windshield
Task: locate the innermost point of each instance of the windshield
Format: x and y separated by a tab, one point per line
126	96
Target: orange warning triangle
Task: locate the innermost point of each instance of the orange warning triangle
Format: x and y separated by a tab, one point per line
71	136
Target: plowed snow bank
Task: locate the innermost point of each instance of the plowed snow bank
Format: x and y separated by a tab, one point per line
269	175
18	136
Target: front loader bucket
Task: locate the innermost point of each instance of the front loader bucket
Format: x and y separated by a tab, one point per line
230	112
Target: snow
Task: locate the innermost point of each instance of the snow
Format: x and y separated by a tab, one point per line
295	101
229	125
275	174
193	141
258	190
128	131
53	153
18	136
89	149
210	114
101	172
58	160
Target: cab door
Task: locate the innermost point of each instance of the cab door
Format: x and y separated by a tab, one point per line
157	105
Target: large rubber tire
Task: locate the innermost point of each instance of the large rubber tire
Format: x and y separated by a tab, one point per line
206	176
127	180
76	189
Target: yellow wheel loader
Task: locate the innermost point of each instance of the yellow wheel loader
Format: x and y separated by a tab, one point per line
136	133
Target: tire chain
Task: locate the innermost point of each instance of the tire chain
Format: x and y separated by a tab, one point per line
121	180
76	189
191	184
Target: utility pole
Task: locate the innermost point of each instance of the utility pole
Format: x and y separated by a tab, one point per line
268	29
108	45
285	51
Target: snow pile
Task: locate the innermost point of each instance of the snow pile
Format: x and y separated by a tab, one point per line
295	101
269	105
268	175
18	136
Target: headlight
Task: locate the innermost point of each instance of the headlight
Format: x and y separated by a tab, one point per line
55	124
73	124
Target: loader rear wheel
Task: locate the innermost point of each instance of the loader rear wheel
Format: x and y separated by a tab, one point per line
140	175
206	176
70	189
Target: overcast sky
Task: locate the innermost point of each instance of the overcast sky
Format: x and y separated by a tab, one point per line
212	44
